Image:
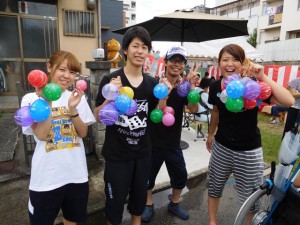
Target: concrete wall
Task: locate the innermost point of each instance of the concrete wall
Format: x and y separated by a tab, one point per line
82	47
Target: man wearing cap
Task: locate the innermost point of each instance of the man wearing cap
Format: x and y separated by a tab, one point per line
166	139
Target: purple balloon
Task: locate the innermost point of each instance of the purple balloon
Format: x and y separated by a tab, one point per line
231	78
23	117
109	114
183	88
133	108
252	89
110	91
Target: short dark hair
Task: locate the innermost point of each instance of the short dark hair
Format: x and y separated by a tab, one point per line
136	32
205	82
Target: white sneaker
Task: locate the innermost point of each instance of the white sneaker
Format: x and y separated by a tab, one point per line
275	122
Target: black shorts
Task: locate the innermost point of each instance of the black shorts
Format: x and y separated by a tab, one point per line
72	199
122	179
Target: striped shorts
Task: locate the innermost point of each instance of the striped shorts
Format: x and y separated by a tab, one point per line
246	166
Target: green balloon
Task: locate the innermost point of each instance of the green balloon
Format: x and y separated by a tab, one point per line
156	115
52	92
193	96
234	104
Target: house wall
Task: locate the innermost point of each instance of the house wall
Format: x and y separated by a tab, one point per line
82	47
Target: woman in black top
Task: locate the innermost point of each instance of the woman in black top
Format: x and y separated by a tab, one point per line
234	138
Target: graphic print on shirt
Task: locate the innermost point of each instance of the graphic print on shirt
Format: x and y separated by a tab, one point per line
63	133
134	127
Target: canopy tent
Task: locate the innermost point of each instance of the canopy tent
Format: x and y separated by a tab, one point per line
211	49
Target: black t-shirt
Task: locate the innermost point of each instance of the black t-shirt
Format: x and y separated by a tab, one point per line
129	137
168	137
236	131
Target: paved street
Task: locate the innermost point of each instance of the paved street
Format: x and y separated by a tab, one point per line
194	200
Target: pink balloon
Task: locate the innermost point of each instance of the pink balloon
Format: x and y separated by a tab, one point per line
81	85
168	109
168	119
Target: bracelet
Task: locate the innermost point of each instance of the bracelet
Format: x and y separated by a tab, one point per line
74	115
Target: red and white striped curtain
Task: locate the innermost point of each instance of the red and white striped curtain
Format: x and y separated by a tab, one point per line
281	74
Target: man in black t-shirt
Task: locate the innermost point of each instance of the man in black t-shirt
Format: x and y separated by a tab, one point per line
166	139
127	145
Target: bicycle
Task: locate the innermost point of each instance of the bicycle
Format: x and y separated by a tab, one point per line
269	195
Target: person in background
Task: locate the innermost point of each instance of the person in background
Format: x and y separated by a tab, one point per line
234	139
203	113
275	110
166	139
206	75
293	111
127	146
59	174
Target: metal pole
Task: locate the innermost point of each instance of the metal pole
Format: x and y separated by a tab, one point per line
99	24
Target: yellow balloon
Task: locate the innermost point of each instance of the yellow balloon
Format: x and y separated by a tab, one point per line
127	91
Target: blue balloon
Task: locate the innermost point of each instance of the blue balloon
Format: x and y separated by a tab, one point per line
160	91
235	89
40	110
123	102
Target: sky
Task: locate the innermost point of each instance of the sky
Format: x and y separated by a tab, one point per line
146	10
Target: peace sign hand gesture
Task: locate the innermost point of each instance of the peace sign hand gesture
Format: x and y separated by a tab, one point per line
193	77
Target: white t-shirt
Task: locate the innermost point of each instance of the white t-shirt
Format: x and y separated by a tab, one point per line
60	160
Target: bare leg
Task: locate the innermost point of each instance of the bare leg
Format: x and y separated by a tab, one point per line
149	198
213	205
176	195
135	220
297	181
67	222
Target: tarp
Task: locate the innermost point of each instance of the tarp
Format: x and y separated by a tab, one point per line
211	49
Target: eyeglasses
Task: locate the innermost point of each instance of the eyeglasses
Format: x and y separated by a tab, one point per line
179	61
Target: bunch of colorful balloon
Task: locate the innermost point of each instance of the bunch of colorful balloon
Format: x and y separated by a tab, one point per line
122	103
166	116
243	92
184	89
39	110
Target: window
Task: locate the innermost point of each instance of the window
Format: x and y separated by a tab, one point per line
132	4
222	13
133	16
294	34
79	23
298	4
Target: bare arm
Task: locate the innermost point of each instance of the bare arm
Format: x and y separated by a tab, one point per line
214	120
280	95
